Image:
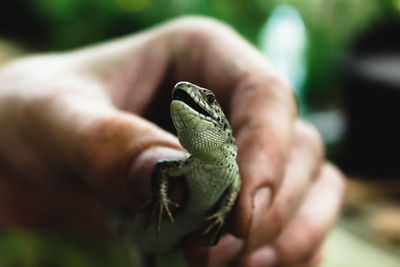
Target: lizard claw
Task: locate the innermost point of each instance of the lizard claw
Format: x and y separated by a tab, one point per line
158	205
216	222
165	205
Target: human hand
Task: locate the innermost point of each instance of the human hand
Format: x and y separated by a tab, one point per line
76	131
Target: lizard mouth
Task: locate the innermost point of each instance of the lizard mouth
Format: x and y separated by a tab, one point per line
184	97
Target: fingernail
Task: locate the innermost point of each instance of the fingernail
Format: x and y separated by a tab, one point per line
266	256
139	175
261	202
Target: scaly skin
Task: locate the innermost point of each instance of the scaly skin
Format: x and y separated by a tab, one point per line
210	170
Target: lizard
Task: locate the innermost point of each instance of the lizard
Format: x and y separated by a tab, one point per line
210	171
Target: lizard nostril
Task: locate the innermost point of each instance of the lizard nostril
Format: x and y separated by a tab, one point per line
210	99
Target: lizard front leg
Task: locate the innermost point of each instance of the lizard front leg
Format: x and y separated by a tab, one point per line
159	202
216	220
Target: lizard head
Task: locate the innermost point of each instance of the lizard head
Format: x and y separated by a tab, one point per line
199	120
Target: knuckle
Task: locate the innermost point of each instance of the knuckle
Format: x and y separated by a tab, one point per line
335	176
302	243
261	165
307	135
268	82
279	218
100	160
282	91
195	34
200	25
260	96
281	85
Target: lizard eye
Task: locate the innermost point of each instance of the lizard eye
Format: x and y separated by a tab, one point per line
210	99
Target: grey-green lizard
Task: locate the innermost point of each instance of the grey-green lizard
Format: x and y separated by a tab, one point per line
210	171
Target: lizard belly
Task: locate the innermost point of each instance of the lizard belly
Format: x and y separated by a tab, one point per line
206	186
191	218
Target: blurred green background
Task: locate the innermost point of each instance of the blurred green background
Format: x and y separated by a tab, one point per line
325	30
63	24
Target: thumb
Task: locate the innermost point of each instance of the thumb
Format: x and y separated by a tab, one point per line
111	150
116	154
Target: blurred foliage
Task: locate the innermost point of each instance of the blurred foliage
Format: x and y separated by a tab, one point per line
332	26
71	23
64	24
24	249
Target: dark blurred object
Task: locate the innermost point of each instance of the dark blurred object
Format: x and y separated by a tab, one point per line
371	93
23	22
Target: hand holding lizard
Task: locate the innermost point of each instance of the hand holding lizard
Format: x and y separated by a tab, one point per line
76	131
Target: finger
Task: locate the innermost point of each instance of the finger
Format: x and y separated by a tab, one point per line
261	107
263	257
318	213
263	126
266	257
227	249
303	164
315	258
304	233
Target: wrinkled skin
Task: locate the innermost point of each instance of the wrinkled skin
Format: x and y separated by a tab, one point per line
86	127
